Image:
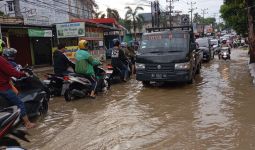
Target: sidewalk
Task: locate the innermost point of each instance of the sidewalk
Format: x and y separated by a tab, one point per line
252	71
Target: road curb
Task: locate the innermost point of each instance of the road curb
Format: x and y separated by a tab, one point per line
252	71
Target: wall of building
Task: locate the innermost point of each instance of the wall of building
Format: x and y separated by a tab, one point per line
45	12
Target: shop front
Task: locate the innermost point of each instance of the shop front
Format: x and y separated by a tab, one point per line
33	43
70	34
41	44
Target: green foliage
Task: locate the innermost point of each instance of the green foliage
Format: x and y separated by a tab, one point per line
135	19
113	13
235	15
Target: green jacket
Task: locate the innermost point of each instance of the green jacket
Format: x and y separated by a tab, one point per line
85	63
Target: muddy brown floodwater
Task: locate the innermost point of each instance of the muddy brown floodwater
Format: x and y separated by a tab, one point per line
216	112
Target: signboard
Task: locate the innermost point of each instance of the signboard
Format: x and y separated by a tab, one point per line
39	33
66	30
37	20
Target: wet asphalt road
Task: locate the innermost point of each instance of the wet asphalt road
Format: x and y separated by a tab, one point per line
216	112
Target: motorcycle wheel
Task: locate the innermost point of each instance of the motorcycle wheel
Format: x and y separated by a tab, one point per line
44	107
68	95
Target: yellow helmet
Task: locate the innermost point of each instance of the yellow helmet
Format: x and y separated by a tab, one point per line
83	44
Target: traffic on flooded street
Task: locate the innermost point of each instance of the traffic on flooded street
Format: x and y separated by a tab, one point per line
127	75
216	112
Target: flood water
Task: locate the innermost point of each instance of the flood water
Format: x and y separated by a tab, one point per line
216	112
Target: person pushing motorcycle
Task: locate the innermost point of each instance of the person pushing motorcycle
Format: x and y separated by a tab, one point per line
85	65
119	60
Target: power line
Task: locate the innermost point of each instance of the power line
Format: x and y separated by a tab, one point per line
171	7
191	10
204	12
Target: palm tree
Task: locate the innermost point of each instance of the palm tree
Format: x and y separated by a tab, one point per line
99	14
112	13
134	17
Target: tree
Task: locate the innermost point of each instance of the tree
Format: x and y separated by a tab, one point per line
134	18
126	23
240	14
235	15
99	14
251	28
197	18
113	13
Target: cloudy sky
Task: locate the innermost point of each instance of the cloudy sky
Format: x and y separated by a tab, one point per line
181	5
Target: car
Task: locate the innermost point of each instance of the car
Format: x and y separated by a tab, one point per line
204	45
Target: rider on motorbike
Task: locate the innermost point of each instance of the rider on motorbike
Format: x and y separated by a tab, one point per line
9	54
6	91
85	65
119	60
60	61
225	44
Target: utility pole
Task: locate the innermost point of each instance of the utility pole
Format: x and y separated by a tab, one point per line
191	11
204	12
171	10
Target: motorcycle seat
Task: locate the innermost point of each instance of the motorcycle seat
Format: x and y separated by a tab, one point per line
77	75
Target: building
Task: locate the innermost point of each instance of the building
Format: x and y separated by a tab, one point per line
41	12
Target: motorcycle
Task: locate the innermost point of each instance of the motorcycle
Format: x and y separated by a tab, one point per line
9	128
54	83
224	53
32	92
78	86
115	74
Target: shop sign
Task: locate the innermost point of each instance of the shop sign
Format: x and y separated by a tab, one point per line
39	33
66	30
37	20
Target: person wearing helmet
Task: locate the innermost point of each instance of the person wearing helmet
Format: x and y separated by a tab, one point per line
119	60
60	62
85	65
6	91
10	54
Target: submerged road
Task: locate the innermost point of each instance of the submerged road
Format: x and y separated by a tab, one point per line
216	112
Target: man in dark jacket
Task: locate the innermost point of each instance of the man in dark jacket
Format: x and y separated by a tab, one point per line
61	62
119	59
6	72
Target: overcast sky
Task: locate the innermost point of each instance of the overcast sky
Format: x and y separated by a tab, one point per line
181	5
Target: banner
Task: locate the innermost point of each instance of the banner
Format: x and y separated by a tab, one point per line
66	30
39	33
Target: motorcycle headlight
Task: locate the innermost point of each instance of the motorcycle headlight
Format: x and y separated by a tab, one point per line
225	53
140	66
182	66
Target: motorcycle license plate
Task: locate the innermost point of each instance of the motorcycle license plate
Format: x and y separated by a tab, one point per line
109	71
46	81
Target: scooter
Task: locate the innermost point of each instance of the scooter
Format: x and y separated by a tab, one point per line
78	86
32	92
224	53
54	83
9	128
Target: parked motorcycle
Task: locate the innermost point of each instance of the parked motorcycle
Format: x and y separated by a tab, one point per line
78	86
10	129
32	92
224	53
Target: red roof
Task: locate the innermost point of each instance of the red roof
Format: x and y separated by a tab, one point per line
105	20
84	20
